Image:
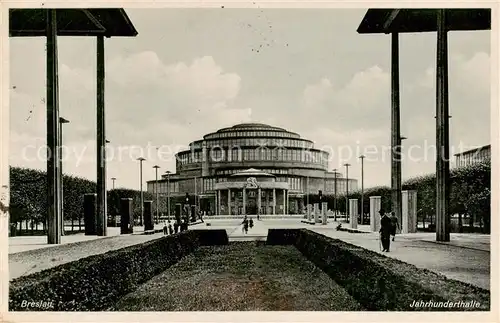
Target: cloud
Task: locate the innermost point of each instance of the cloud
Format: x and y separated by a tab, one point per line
355	116
472	76
353	105
148	102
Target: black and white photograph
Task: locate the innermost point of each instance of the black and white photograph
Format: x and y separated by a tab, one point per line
249	157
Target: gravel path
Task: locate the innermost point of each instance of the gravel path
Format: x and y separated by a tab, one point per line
243	276
28	262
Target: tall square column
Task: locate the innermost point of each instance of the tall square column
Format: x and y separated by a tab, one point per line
375	206
409	223
274	201
218	202
229	201
259	200
244	207
353	213
267	203
316	212
324	214
53	128
284	202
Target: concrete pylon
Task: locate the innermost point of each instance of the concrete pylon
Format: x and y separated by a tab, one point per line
375	205
353	213
324	207
409	206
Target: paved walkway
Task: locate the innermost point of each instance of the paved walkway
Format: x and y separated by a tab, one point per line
32	254
26	243
465	258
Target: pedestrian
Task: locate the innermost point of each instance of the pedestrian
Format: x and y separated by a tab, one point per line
385	231
394	225
251	223
176	227
165	228
258	217
170	229
244	228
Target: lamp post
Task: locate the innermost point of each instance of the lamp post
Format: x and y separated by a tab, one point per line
168	194
141	160
61	176
347	189
362	157
335	194
156	192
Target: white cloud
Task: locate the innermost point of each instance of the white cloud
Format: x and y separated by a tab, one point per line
196	95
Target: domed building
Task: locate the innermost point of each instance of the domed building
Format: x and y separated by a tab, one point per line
250	168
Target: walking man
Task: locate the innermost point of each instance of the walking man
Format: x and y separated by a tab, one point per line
165	228
394	225
385	231
245	225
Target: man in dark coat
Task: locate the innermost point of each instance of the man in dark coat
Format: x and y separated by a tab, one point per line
245	225
385	231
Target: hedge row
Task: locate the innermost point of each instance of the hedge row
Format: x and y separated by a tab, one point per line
28	196
378	282
470	194
95	283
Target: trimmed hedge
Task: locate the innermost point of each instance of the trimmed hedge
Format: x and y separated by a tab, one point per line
378	282
95	283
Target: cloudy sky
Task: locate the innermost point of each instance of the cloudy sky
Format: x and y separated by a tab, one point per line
193	71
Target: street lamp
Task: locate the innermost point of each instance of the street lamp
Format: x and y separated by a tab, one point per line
335	194
362	157
156	192
61	176
347	189
168	194
141	159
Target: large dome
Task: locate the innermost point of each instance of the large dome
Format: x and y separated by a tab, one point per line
251	126
252	129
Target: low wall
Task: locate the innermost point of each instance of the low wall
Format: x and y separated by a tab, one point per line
378	282
97	282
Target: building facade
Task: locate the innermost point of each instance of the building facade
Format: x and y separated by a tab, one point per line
251	168
473	156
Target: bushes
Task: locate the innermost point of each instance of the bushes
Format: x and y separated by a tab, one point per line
375	281
97	282
28	196
470	193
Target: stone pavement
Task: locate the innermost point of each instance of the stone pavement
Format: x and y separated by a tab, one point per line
25	258
26	243
465	258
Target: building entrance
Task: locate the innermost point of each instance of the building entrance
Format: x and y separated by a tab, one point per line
251	207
